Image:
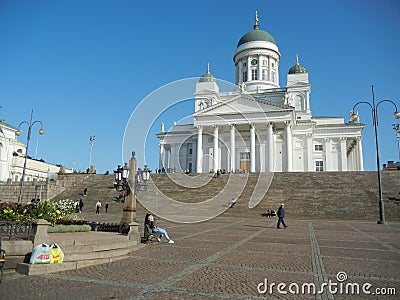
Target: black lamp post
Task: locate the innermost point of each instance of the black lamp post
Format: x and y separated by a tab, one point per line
28	138
121	179
354	118
142	177
396	127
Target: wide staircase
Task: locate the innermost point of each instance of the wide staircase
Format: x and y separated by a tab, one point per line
183	198
328	195
99	187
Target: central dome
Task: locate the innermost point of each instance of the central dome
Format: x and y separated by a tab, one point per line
256	35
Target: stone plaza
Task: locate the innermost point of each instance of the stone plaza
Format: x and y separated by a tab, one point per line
237	258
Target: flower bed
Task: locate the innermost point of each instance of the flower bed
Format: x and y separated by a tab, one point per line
52	212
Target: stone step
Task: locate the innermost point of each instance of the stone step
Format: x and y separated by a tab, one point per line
79	248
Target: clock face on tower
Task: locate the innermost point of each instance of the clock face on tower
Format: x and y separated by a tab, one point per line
254	62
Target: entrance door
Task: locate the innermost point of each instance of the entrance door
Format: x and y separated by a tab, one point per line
245	161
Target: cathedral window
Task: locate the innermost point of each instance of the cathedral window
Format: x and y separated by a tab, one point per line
265	62
254	74
319	166
264	74
244	76
318	148
273	76
244	64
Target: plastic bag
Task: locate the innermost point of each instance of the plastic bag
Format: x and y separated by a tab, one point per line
40	254
56	254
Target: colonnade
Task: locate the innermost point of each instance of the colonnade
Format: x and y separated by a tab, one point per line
269	155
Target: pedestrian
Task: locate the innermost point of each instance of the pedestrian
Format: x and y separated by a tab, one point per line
85	191
281	216
80	205
149	220
106	207
77	206
98	205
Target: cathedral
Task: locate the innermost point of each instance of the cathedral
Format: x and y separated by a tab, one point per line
260	126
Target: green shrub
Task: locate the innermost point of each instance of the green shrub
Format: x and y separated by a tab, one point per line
68	228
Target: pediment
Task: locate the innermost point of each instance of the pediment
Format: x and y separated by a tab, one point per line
242	104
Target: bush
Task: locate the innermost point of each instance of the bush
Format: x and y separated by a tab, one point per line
68	228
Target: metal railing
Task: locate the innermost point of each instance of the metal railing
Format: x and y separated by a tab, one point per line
110	227
15	230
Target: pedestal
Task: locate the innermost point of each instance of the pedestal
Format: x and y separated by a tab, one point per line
129	210
39	233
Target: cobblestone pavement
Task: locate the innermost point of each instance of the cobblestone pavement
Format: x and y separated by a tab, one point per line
229	258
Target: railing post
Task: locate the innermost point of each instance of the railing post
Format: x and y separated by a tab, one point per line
39	232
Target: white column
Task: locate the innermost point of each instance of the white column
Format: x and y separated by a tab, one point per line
289	150
173	156
199	166
248	69
166	159
259	67
270	148
310	151
352	164
252	148
343	153
233	145
160	161
216	152
360	162
328	154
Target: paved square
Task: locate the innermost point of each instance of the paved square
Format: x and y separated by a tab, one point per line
232	258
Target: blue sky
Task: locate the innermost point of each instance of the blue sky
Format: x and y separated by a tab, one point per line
83	66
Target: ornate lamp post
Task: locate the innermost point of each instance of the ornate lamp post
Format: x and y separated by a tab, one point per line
142	177
91	141
396	127
28	138
354	118
121	179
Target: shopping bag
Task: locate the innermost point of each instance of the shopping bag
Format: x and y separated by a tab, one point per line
56	254
40	254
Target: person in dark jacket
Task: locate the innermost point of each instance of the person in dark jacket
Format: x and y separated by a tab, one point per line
149	220
281	216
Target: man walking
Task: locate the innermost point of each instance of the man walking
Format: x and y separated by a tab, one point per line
281	215
98	205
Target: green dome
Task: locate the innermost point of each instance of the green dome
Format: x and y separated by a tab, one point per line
256	35
297	68
207	77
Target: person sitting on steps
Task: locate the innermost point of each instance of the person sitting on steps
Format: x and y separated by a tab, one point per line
150	222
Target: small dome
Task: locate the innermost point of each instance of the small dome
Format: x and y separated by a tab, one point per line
297	68
207	77
256	35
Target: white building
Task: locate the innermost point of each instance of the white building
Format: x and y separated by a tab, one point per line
12	156
260	126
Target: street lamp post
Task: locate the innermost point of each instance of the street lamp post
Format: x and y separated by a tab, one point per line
396	127
91	141
121	179
354	118
28	138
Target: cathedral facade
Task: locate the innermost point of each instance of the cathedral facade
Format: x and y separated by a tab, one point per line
260	126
